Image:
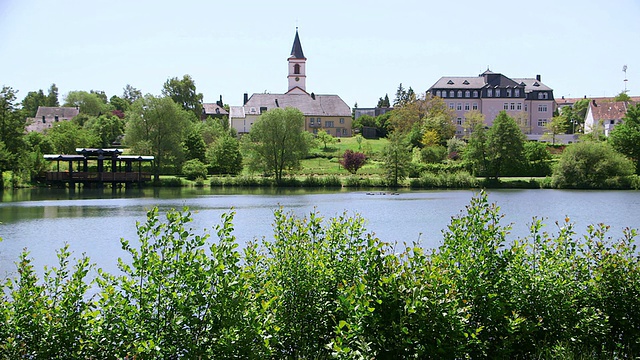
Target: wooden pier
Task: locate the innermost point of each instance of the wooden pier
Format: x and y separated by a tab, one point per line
109	164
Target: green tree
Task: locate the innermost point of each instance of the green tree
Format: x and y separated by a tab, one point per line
505	146
157	126
194	145
401	96
397	157
88	103
589	164
557	125
183	92
66	136
107	128
625	137
623	96
32	101
384	102
278	140
52	96
131	94
579	113
537	158
325	138
193	169
224	156
475	153
12	125
119	103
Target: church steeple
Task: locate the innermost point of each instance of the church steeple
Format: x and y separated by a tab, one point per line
296	49
297	63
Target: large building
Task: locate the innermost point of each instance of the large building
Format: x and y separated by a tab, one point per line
327	112
526	99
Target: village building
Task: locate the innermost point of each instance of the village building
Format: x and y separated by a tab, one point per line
528	100
602	116
326	112
46	117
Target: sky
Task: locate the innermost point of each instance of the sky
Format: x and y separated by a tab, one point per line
359	50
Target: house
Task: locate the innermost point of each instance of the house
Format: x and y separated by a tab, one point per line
528	100
327	112
214	110
46	117
604	115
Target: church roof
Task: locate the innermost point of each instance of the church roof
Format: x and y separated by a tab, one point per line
309	105
296	49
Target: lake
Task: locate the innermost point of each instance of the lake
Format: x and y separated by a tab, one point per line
93	221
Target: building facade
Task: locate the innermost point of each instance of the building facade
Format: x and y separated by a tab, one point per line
326	112
46	117
527	100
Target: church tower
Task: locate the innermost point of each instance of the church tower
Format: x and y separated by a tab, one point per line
297	66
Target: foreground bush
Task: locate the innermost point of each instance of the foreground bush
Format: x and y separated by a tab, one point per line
325	288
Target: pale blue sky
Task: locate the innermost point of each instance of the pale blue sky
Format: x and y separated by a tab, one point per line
360	50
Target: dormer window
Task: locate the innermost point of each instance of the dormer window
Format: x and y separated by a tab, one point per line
459	93
296	69
56	118
43	119
438	93
452	93
497	92
536	84
466	82
517	92
449	82
467	94
475	93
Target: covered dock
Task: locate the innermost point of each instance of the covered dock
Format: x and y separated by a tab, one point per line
95	167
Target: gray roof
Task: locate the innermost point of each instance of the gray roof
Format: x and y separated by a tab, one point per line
322	105
459	82
236	112
532	84
296	50
62	112
210	109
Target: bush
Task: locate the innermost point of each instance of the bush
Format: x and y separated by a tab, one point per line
433	154
193	169
590	165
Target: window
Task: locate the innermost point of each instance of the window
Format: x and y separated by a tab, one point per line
444	93
43	119
542	108
512	106
475	93
526	107
263	109
506	106
475	106
451	106
542	122
517	92
459	121
319	122
467	94
344	131
341	120
328	124
543	96
311	121
438	93
459	93
452	93
296	69
497	92
508	92
489	92
466	106
459	107
519	106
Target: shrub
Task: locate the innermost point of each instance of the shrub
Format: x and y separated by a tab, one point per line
433	154
352	161
193	169
589	165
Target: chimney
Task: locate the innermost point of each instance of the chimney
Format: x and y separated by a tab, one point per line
538	77
246	99
594	102
219	102
313	96
277	103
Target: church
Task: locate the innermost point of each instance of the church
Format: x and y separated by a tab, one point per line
326	112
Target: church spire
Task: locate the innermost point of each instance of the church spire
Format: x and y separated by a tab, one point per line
296	50
297	68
